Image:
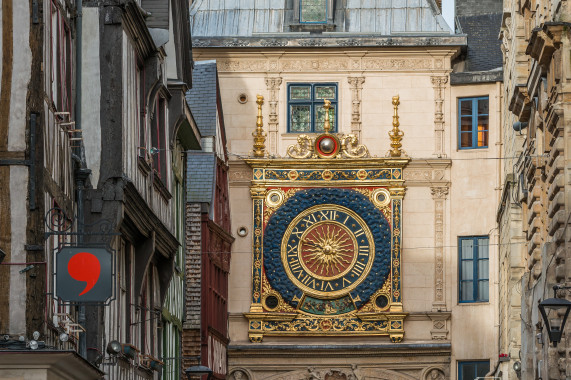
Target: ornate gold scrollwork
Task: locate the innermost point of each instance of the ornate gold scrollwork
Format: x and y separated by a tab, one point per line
303	149
351	148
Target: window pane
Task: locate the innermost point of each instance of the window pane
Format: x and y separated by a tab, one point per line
468	371
482	130
300	92
466	107
300	118
466	124
320	117
466	140
482	369
467	248
483	248
467	291
467	270
313	11
483	269
325	92
483	290
483	106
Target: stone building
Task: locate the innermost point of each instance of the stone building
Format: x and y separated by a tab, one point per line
95	130
424	302
208	235
535	45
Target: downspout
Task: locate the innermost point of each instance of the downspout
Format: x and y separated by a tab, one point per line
80	180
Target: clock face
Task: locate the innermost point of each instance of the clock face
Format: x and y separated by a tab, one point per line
327	250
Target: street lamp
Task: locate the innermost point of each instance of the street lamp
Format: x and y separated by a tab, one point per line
198	370
549	309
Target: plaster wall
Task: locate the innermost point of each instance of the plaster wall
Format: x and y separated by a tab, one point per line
91	89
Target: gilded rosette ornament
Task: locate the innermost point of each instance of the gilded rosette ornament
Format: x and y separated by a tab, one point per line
396	134
259	135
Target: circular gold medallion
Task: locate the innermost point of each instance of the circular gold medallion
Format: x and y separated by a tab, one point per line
327	250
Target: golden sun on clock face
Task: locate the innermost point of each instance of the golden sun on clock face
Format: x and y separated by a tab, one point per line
327	251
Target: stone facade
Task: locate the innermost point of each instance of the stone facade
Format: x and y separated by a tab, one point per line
535	44
450	193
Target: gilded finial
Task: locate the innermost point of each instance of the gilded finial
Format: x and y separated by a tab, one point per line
259	135
327	124
396	134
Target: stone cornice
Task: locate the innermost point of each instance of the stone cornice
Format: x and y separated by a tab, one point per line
335	40
342	350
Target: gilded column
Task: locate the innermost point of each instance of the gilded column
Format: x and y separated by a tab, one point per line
258	194
439	83
273	84
356	84
439	195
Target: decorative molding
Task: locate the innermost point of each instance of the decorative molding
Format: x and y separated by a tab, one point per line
321	64
397	63
439	329
325	64
439	194
356	85
439	83
273	86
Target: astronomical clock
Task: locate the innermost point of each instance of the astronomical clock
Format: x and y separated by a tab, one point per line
327	238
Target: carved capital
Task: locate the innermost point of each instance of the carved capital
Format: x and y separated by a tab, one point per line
439	192
257	192
356	82
439	81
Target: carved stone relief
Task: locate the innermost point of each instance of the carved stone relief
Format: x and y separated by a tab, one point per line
239	374
439	194
356	84
323	64
352	373
273	85
439	83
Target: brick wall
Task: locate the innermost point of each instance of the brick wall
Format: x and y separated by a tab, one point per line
192	266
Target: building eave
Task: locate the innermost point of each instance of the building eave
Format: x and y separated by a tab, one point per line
332	40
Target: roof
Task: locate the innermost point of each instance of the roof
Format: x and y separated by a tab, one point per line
248	18
201	98
483	51
201	171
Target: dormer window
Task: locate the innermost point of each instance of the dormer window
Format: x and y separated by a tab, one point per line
313	11
314	16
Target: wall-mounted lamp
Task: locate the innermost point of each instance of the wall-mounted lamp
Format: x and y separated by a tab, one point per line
549	309
198	370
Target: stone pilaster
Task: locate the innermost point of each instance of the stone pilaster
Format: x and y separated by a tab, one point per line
439	194
439	83
356	84
273	86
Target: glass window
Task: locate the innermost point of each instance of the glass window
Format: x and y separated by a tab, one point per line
473	268
305	107
473	123
469	370
313	11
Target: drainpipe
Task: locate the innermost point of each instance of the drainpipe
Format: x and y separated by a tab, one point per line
79	176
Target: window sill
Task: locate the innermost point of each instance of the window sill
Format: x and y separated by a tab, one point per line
161	187
468	303
312	27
